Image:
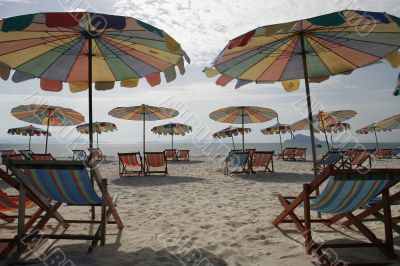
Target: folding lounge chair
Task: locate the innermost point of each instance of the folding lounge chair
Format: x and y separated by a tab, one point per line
7	152
7	158
156	160
251	152
287	154
360	157
43	157
10	203
300	154
383	154
346	191
182	155
237	162
79	155
331	158
26	153
262	159
170	154
129	162
395	153
65	182
98	155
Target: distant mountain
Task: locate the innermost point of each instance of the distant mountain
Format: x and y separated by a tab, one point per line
301	139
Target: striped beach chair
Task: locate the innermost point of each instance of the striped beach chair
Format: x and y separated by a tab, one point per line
79	155
346	190
300	154
10	203
98	155
383	153
332	158
263	159
156	160
130	163
395	153
170	154
42	157
67	182
182	155
359	159
237	162
287	154
251	152
26	153
7	152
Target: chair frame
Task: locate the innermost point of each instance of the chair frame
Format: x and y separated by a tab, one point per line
358	159
26	153
102	156
286	157
245	167
300	156
147	167
266	166
321	164
290	203
186	158
167	153
123	171
76	159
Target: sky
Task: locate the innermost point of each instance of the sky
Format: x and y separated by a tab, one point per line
203	28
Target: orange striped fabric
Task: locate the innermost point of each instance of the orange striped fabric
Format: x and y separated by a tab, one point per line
129	159
42	157
8	152
183	153
170	153
155	159
261	159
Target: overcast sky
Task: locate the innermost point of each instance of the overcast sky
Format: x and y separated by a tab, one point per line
203	27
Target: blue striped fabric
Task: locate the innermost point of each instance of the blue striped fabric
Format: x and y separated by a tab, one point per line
237	159
71	186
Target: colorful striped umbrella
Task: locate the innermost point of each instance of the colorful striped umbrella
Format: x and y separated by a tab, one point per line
229	132
278	128
47	115
172	129
396	91
28	131
143	113
310	49
83	47
98	127
243	115
385	125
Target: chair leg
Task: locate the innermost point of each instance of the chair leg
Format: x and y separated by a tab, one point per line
388	222
103	213
307	221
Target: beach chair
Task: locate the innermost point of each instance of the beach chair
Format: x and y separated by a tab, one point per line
170	154
26	153
98	155
251	152
237	162
359	159
332	158
262	159
300	154
156	160
10	203
5	159
66	182
395	153
182	155
287	154
129	162
349	153
346	191
79	155
42	157
383	154
7	152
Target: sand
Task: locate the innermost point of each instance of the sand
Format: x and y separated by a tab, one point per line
198	216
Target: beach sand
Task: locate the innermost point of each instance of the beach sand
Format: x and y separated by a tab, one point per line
198	216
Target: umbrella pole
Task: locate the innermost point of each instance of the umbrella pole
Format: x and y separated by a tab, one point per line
90	91
279	130
97	135
144	140
331	140
243	128
326	137
29	147
47	132
172	137
376	140
233	142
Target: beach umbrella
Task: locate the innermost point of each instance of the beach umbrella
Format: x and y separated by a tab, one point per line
335	128
28	131
243	115
47	115
385	125
311	49
98	128
82	48
278	128
172	129
143	113
229	132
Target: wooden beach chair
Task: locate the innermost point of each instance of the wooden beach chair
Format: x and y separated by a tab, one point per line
5	159
182	155
395	153
300	154
156	160
7	152
26	153
349	153
98	155
65	182
42	157
346	191
287	154
79	155
251	152
383	154
237	162
263	159
358	160
332	158
130	163
170	154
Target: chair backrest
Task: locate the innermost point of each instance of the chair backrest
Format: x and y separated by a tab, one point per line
79	155
26	153
238	158
42	156
348	192
395	151
130	159
289	151
384	152
183	153
300	151
7	152
349	152
62	181
332	158
261	158
170	153
97	154
6	203
155	159
360	156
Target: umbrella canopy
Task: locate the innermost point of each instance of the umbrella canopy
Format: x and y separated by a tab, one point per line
311	49
82	48
385	125
98	128
172	129
229	132
278	128
243	115
47	115
143	113
28	131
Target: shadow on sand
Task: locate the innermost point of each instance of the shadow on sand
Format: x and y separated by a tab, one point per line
277	177
185	162
148	181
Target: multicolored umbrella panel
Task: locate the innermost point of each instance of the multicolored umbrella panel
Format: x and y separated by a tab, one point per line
28	131
385	125
98	128
278	128
243	115
229	132
172	129
311	49
143	113
47	115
